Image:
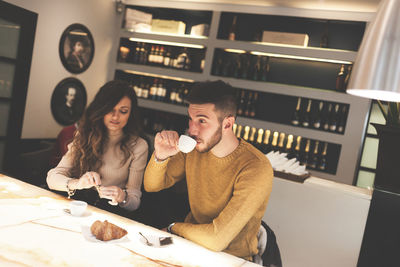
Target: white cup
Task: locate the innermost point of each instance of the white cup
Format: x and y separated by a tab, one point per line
78	207
186	143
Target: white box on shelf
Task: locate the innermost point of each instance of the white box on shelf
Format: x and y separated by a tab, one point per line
288	38
200	30
133	17
168	26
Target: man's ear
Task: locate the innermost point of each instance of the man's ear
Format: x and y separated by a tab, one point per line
228	122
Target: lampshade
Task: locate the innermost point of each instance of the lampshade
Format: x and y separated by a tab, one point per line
376	72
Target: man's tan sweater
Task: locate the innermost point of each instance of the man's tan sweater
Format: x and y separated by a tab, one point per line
228	196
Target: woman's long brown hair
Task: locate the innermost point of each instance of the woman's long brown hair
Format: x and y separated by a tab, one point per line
92	135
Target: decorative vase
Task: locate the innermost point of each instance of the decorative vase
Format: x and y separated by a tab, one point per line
387	176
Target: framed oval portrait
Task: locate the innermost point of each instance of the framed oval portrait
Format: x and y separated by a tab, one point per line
76	48
68	101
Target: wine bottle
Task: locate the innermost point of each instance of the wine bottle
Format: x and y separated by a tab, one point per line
248	104
145	91
296	153
136	55
323	162
143	54
246	133
289	143
153	90
167	57
281	141
266	147
253	105
244	65
232	29
340	79
239	131
151	56
161	56
304	155
325	124
160	91
252	135
346	80
257	70
274	142
314	157
305	121
333	121
179	95
324	43
265	68
317	115
260	134
241	106
138	89
296	114
234	128
183	61
342	120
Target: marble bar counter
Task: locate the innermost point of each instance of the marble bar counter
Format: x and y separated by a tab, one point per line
36	231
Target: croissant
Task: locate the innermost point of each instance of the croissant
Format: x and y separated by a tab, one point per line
106	231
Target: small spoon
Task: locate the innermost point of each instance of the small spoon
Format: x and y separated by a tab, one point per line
147	241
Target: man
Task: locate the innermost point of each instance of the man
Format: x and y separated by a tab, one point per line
228	180
67	112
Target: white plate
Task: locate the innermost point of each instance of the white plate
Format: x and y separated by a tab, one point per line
87	234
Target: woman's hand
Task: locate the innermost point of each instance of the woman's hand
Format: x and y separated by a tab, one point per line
88	180
166	144
115	193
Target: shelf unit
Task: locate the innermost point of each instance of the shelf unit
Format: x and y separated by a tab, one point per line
350	142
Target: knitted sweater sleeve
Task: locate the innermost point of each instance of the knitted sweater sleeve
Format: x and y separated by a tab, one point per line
57	177
135	178
251	192
161	175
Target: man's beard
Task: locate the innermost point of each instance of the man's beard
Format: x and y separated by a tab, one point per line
214	140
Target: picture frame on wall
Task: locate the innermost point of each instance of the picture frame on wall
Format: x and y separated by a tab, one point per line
76	48
68	101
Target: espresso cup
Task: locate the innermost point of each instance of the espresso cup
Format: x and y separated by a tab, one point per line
186	143
77	207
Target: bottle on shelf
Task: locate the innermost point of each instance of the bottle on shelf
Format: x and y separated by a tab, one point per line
264	68
145	91
347	79
242	103
289	143
296	152
246	133
324	43
274	143
318	115
167	57
179	95
340	79
305	120
342	120
153	90
266	147
315	156
234	128
239	131
253	105
281	142
248	104
244	65
138	89
323	161
325	124
232	29
143	54
260	134
172	95
304	155
252	135
183	61
333	121
256	70
151	56
296	114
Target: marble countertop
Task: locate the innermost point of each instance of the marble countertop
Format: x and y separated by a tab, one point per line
36	231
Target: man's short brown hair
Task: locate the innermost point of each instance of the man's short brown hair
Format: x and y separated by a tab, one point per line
219	93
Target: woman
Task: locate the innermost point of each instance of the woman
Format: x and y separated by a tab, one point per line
107	157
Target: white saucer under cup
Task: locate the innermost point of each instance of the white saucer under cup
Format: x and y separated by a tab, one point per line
186	143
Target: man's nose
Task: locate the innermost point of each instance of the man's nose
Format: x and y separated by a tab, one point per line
193	130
